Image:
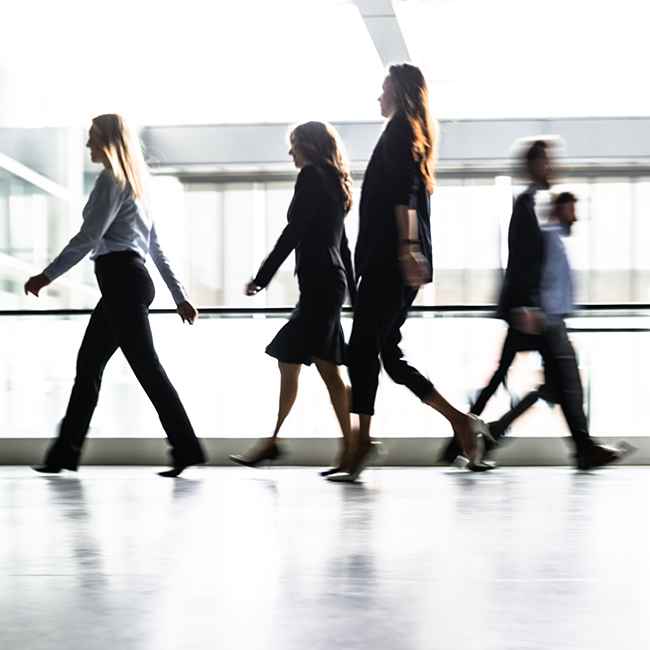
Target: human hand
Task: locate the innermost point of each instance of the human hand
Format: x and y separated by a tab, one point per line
415	269
36	283
251	288
528	321
187	312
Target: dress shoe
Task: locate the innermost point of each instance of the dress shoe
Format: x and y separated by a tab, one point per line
331	470
480	427
349	477
177	470
174	471
47	469
598	456
271	453
452	452
480	466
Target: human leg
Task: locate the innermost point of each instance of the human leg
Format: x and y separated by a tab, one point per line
127	292
338	392
364	347
268	449
373	308
589	454
289	373
514	342
97	347
465	427
561	364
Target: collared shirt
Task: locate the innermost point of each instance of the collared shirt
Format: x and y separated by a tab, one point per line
556	292
112	222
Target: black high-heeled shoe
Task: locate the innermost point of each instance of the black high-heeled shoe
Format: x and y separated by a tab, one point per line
173	472
331	470
271	453
48	469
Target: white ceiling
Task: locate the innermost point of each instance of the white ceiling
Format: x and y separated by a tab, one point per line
243	61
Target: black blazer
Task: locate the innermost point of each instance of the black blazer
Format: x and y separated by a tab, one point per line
521	284
315	230
392	178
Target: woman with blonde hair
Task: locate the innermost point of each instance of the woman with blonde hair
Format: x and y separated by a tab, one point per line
393	260
315	229
119	230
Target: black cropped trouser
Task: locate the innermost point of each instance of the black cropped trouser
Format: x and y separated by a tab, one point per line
121	320
380	309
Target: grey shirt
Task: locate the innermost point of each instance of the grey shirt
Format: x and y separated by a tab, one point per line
113	222
556	291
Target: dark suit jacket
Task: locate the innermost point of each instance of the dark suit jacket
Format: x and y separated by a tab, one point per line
392	178
315	230
521	284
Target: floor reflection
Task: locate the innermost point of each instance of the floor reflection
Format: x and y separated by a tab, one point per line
409	559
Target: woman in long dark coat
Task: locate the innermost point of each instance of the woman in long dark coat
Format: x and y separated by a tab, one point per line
393	259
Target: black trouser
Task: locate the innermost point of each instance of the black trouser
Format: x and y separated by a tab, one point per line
563	384
380	309
121	320
566	377
515	341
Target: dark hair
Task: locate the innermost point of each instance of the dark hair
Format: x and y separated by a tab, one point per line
320	144
536	152
565	197
412	99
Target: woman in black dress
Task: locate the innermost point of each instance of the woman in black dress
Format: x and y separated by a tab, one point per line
322	199
393	259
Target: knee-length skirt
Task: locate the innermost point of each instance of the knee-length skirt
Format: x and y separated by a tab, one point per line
314	327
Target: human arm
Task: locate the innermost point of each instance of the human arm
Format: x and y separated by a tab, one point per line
404	179
525	260
252	288
525	249
529	320
414	266
36	283
308	190
346	256
184	307
164	268
99	212
187	312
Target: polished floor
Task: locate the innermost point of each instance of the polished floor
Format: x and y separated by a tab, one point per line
409	559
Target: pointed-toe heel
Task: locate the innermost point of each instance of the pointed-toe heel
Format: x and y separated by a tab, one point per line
480	427
271	453
332	470
47	469
349	477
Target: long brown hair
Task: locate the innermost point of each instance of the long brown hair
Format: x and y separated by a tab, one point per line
122	148
412	99
320	144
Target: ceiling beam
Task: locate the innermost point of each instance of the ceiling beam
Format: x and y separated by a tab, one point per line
384	30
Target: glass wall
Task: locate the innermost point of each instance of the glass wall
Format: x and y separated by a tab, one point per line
232	226
230	387
217	233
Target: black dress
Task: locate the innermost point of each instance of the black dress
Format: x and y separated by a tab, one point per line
323	265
